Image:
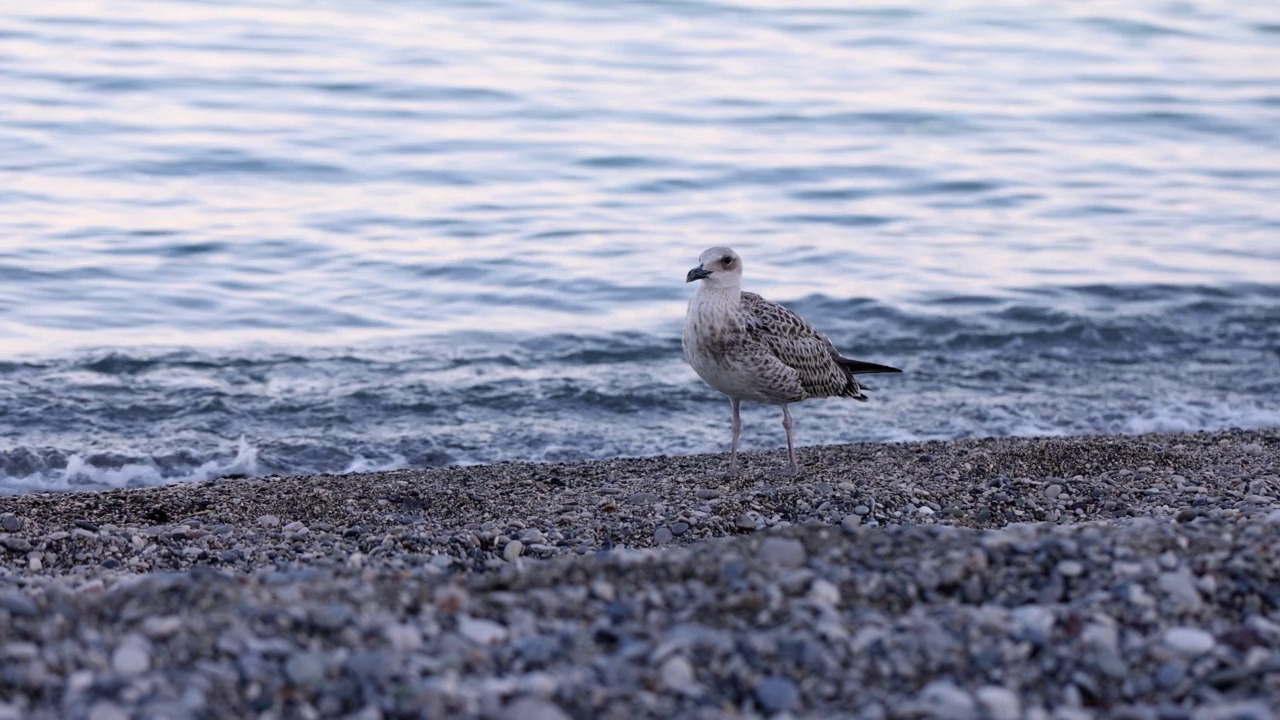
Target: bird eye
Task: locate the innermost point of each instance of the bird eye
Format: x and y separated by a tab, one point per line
728	260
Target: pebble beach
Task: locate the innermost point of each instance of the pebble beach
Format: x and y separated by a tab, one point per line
1063	578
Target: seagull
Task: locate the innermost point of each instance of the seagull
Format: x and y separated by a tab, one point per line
752	349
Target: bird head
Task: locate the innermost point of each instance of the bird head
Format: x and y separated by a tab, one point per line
718	267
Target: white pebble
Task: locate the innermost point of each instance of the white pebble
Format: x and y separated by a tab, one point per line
999	702
268	521
823	592
481	631
131	656
1070	568
532	708
161	626
403	637
676	673
1188	640
512	550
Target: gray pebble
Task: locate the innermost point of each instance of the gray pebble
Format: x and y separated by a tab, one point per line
861	510
107	710
663	535
679	528
1170	674
10	523
943	699
331	617
783	552
1070	568
305	668
745	522
533	708
643	498
777	694
1053	491
19	605
268	521
1180	587
851	521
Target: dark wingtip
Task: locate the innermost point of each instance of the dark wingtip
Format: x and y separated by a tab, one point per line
860	367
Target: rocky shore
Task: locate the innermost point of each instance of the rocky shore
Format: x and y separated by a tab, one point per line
1128	577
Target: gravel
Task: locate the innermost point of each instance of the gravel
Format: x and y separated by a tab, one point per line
1051	578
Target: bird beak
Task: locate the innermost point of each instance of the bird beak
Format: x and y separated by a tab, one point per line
696	274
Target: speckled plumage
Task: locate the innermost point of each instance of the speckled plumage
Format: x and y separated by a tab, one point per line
752	349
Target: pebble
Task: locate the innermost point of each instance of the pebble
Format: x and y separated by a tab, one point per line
861	510
162	626
1000	703
851	521
481	631
268	521
1180	587
305	668
745	522
643	498
777	694
1070	568
10	523
107	710
1188	640
512	550
824	592
19	605
663	535
131	657
677	674
1053	491
679	528
532	708
783	552
943	699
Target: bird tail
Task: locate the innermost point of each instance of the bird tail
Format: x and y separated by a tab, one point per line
859	367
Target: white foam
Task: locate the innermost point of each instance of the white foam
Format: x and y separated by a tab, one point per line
82	475
1186	417
365	465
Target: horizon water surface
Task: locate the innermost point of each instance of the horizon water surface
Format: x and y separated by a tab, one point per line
290	238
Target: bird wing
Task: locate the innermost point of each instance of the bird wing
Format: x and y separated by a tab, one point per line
797	345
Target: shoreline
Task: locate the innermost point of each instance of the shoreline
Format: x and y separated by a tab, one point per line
1060	577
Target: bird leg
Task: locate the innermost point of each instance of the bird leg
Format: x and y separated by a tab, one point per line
794	470
737	430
